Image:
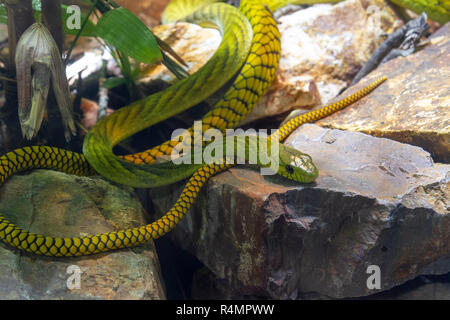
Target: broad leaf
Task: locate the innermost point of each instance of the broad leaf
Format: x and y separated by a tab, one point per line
114	82
123	30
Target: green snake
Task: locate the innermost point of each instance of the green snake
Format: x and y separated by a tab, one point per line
437	10
248	55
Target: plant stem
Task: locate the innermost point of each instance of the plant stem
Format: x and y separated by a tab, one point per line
20	17
69	52
51	10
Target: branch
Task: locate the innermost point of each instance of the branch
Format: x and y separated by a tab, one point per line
51	10
20	17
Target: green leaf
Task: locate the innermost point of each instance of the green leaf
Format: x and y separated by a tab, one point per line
3	16
114	82
36	5
124	31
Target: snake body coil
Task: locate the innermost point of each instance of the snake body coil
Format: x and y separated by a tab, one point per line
255	71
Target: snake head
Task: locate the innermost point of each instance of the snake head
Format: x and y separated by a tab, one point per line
296	165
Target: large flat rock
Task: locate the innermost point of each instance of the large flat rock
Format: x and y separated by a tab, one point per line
322	48
376	202
53	203
413	106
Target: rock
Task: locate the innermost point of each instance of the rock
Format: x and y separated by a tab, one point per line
194	44
323	47
428	291
376	202
420	288
89	109
207	286
413	106
148	11
54	203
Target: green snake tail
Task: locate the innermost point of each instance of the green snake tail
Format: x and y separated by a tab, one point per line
74	163
322	112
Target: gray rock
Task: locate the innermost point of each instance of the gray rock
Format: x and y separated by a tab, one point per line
427	291
57	204
412	106
376	202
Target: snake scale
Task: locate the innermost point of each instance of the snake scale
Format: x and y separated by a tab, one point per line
253	63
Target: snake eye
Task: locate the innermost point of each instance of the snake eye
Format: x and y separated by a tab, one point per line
289	169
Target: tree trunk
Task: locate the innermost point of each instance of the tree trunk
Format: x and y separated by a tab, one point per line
51	10
20	17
